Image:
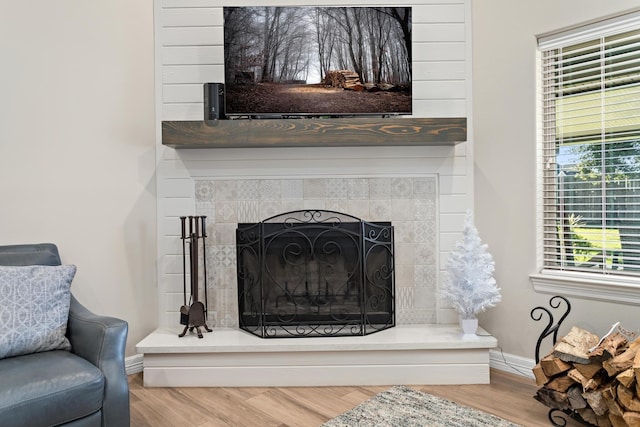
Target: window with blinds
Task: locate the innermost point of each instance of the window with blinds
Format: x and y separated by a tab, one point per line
590	130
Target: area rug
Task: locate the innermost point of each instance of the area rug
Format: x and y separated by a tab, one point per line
402	406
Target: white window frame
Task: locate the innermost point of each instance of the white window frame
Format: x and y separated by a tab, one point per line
619	289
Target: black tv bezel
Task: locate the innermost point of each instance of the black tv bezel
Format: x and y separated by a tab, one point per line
255	115
269	116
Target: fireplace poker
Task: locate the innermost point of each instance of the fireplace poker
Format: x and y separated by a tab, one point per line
196	310
184	310
204	265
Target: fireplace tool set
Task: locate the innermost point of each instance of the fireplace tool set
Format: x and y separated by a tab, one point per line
193	315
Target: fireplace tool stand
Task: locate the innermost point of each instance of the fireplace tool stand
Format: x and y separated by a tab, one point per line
193	316
557	417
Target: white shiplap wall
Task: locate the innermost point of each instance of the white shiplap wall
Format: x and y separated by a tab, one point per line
189	52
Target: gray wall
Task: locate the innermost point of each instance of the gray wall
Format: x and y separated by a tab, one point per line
503	77
77	139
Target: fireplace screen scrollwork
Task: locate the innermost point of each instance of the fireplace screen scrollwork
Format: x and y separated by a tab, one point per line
315	273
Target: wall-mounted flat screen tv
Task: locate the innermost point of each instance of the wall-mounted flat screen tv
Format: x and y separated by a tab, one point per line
317	61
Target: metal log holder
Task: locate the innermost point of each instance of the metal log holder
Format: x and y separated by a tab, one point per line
193	315
557	417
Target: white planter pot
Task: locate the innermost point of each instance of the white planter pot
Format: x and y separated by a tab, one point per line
469	326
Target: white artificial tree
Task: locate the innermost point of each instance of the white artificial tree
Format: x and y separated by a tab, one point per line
468	283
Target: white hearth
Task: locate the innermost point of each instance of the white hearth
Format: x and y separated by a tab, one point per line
229	357
422	191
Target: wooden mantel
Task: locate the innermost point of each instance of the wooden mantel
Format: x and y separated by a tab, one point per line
313	132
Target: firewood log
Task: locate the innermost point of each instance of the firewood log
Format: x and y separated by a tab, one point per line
636	366
358	87
609	347
574	397
345	79
590	370
561	383
626	378
628	399
617	421
588	415
596	401
554	365
609	395
538	373
592	384
622	361
632	419
552	399
603	421
596	420
587	383
574	346
577	377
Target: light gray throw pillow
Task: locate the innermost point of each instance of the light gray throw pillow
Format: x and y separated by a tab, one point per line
34	308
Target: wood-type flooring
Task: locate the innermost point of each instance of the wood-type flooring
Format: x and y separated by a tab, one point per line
508	396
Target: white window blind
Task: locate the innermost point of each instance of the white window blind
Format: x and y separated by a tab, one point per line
590	131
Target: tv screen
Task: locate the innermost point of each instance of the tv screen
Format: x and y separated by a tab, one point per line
317	61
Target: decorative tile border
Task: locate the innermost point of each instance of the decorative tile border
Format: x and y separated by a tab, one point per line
410	203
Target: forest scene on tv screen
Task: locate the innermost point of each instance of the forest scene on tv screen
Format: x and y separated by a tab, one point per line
321	61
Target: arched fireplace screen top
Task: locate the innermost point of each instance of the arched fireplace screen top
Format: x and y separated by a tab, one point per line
315	273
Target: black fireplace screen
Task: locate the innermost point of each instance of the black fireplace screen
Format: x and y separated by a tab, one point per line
315	273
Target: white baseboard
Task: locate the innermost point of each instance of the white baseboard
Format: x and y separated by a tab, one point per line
511	363
133	364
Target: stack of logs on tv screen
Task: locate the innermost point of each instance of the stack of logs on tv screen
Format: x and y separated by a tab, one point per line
597	380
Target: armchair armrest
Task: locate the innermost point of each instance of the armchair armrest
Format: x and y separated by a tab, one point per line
101	340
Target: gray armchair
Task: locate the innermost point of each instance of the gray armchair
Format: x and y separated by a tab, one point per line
86	386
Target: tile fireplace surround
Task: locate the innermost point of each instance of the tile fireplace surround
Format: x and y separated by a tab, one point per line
418	350
408	202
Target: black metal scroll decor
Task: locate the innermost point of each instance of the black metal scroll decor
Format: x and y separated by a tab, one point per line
315	273
551	328
193	315
557	417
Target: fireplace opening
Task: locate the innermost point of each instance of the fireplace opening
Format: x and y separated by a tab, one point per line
315	273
